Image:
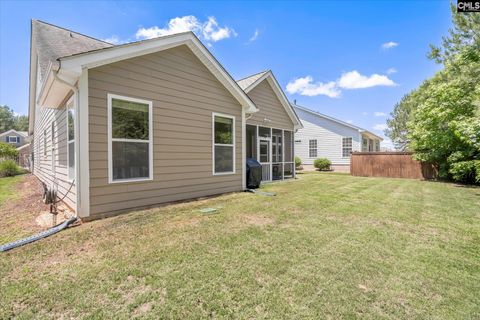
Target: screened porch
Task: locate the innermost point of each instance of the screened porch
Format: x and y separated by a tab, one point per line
273	148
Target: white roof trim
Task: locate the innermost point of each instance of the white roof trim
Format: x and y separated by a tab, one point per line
73	65
318	114
280	95
12	131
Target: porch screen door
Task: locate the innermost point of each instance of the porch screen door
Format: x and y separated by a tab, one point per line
264	145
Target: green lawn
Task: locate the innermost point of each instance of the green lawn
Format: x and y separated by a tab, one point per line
7	188
327	246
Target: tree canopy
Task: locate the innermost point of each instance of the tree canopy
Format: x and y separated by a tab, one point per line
9	120
440	120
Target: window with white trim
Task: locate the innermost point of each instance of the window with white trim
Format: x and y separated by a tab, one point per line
346	147
364	144
130	139
71	139
223	144
312	148
377	145
13	139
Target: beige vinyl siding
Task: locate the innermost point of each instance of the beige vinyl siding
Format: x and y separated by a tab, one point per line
184	95
43	163
270	107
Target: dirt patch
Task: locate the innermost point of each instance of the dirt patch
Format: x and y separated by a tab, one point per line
258	220
17	216
142	309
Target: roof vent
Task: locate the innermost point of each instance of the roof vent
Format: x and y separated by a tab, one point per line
71	35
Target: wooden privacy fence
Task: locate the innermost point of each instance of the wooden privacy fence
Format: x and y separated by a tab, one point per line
390	164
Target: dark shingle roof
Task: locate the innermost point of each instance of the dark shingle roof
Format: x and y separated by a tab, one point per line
53	42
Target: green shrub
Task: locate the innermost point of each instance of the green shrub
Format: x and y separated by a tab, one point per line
466	171
7	151
322	164
298	163
8	168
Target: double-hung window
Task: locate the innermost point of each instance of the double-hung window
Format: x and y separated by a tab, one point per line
70	139
13	139
346	147
312	148
130	148
223	144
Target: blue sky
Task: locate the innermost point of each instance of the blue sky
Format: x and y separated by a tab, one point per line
328	54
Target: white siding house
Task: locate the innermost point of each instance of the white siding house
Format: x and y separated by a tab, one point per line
326	137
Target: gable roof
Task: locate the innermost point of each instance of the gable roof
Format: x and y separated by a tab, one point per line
67	68
52	42
47	43
22	133
249	83
246	82
346	124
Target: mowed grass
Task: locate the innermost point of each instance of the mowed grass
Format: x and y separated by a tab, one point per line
327	246
7	188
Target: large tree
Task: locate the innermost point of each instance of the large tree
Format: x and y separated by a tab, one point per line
444	127
465	35
8	120
440	120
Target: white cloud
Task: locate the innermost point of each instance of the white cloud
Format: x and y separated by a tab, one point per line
365	113
389	45
349	80
212	32
354	80
392	71
349	121
380	127
306	87
387	145
379	114
208	30
114	40
254	36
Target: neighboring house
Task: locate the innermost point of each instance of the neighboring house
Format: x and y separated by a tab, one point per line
154	121
326	137
14	137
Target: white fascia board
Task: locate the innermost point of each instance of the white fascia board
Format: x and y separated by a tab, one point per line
73	65
370	134
280	95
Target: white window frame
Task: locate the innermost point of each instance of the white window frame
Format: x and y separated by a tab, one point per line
233	145
351	148
110	97
310	148
9	139
71	105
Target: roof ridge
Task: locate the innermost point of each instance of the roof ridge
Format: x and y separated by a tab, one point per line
252	75
329	117
128	43
69	30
